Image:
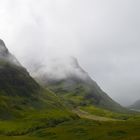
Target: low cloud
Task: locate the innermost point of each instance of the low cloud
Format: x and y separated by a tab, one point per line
58	69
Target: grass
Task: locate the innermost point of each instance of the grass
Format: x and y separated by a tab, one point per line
60	124
35	120
84	129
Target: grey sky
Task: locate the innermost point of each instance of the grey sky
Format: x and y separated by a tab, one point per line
102	34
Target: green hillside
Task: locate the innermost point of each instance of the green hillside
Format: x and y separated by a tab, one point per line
76	92
24	105
83	129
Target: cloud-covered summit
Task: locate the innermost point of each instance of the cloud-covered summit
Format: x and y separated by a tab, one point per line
59	69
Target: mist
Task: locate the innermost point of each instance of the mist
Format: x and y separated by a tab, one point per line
58	69
102	34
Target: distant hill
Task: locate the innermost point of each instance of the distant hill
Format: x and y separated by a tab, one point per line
135	106
75	86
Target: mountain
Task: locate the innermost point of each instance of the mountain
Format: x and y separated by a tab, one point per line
20	94
14	79
69	81
135	106
30	112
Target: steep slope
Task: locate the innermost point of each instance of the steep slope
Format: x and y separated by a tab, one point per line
75	86
14	79
20	95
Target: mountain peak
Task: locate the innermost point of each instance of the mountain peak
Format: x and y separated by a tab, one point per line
3	49
2	42
5	55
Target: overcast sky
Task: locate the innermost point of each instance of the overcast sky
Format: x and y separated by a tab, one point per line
103	34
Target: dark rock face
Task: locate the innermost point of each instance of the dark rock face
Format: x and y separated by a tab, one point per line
14	79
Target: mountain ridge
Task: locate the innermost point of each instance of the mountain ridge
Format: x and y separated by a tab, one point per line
75	86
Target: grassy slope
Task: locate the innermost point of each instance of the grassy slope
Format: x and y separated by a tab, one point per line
56	124
47	111
84	94
91	130
24	105
84	129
